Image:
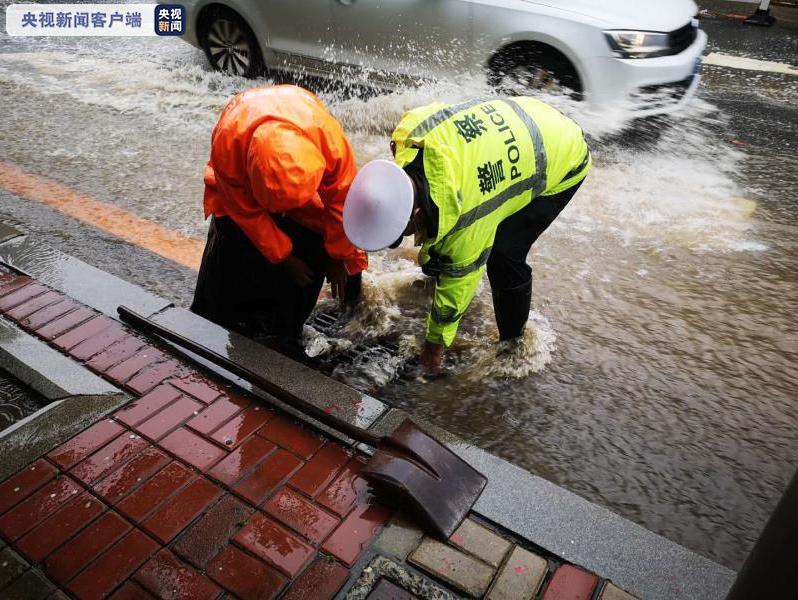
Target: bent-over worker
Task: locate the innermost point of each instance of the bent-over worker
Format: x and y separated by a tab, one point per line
275	185
477	183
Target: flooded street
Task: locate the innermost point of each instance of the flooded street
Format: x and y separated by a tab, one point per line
658	376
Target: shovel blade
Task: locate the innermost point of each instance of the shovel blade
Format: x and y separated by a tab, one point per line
425	478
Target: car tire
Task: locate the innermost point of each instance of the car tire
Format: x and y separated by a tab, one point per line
229	44
534	67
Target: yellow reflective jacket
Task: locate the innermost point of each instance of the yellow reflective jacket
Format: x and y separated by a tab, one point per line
484	160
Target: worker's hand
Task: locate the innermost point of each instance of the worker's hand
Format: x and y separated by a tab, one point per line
337	276
298	271
431	356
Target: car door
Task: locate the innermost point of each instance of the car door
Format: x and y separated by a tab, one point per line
301	28
418	38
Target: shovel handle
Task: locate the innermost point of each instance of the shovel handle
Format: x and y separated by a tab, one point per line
152	328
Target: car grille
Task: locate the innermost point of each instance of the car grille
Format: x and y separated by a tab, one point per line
681	39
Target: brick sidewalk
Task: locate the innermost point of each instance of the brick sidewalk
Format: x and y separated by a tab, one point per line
190	491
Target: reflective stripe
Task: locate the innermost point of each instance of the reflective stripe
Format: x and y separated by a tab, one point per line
442	319
483	210
577	170
536	182
541	164
470	268
442	115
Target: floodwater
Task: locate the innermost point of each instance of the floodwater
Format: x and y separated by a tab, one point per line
657	376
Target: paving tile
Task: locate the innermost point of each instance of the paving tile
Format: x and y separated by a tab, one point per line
11	282
169	578
244	576
38	506
268	476
59	527
153	375
111	456
481	542
154	491
64	323
22	484
73	337
216	413
132	591
456	568
355	532
193	449
237	429
129	476
12	565
570	583
169	418
142	409
291	436
236	464
97	343
31	306
320	581
321	469
128	368
198	387
387	590
62	565
300	514
44	315
113	567
79	447
275	544
345	489
32	585
21	294
120	351
173	516
203	540
399	538
520	577
613	592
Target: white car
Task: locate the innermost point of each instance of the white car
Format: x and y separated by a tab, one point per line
607	51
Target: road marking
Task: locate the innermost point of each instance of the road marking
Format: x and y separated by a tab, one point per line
134	229
749	64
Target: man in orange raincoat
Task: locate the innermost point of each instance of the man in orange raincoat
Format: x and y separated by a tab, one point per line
275	185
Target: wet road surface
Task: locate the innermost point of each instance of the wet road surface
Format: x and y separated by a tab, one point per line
658	374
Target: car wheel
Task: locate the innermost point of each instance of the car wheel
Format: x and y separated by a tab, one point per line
533	68
230	45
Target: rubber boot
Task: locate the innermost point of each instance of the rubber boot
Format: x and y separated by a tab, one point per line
511	307
763	18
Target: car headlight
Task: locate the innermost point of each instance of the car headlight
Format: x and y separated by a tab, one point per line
638	44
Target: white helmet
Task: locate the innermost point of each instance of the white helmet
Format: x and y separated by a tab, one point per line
378	205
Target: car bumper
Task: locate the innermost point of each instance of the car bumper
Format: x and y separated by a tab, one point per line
648	85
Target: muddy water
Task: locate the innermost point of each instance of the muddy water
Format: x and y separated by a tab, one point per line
657	376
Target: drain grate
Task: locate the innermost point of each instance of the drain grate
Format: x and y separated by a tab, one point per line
330	325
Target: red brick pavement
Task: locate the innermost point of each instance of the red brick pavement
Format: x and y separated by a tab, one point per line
193	490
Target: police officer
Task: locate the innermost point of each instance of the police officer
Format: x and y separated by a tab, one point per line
477	183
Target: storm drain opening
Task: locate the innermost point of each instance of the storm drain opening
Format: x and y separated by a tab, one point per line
17	401
381	355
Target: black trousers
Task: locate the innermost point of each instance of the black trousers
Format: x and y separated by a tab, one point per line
507	266
238	288
508	272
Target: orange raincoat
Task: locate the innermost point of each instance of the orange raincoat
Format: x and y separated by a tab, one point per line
277	150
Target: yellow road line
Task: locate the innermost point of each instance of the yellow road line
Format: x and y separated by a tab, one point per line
119	222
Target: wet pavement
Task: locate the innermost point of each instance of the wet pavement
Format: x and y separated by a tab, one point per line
17	401
658	376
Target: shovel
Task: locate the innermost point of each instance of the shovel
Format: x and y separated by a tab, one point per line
409	468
